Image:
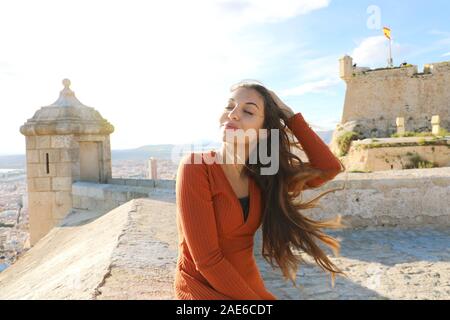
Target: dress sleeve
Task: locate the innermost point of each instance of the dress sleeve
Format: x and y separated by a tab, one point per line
197	217
318	153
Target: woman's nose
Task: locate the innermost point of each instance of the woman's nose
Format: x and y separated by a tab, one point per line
233	114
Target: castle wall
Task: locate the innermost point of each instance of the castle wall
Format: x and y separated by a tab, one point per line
414	197
52	164
394	158
105	197
374	99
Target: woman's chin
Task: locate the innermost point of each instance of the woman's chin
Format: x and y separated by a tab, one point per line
231	141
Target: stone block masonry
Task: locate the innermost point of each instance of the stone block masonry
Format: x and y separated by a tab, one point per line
375	98
105	197
413	197
65	142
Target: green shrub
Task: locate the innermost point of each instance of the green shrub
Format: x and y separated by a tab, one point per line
417	162
443	132
424	134
345	140
412	134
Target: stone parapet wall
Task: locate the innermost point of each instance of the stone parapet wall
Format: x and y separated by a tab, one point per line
399	198
158	183
105	197
392	155
387	198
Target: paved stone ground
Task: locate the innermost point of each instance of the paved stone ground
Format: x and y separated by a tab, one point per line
136	256
144	261
381	263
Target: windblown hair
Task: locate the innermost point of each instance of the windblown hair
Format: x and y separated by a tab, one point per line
285	229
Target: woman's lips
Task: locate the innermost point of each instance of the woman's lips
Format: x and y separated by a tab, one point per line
228	126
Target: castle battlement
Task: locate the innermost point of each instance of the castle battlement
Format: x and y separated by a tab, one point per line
351	72
375	98
385	101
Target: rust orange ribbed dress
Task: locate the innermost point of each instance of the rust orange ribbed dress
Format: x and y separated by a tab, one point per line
215	243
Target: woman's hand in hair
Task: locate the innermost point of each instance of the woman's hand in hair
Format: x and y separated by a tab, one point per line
286	110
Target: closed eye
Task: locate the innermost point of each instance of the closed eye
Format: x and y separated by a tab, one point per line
229	107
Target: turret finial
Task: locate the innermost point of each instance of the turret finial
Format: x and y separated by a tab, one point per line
67	97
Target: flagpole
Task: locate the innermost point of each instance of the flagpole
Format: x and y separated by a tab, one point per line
387	33
391	64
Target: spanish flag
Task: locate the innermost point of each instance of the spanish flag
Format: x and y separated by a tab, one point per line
387	32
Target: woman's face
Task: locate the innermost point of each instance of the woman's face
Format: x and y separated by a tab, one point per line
243	110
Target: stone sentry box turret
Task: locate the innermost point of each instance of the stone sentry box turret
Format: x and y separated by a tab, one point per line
65	142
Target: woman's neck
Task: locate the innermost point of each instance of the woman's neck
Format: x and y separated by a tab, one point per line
234	157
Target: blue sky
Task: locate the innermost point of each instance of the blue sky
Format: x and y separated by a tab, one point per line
160	71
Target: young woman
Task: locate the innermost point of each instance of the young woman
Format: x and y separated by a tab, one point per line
220	205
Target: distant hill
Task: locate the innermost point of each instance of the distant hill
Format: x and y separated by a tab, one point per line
160	151
12	161
164	151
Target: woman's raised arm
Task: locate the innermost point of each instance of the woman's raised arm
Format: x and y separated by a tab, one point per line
318	153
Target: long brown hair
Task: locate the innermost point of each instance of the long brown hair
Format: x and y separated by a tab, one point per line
284	228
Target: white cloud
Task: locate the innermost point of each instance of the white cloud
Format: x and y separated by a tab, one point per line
435	47
315	75
374	52
326	124
6	69
319	68
244	12
446	54
439	33
444	40
158	71
311	87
